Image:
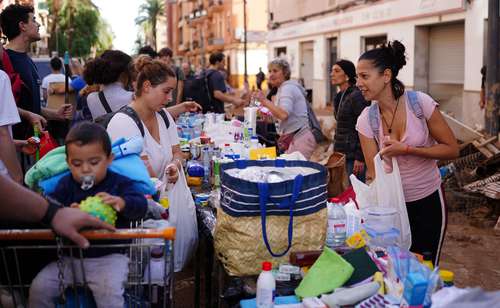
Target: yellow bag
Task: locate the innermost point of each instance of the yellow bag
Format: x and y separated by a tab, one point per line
239	246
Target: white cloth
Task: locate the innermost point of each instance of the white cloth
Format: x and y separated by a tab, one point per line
159	154
115	95
50	78
106	285
8	109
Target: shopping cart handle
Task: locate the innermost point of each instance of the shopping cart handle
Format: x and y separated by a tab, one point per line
119	234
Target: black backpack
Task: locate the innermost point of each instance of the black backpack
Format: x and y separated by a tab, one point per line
200	90
129	111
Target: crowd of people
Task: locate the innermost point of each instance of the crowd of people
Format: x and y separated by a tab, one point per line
123	96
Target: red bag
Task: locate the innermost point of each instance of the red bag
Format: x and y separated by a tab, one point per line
16	82
47	143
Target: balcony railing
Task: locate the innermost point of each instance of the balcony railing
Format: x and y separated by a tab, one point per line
215	2
216	41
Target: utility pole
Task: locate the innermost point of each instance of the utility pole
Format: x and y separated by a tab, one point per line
492	114
245	39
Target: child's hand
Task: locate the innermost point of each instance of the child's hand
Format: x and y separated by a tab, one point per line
115	202
75	205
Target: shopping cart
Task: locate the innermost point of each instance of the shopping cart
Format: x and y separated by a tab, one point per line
141	289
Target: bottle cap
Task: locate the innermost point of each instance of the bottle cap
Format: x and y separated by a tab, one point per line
427	255
334	200
446	276
267	266
157	252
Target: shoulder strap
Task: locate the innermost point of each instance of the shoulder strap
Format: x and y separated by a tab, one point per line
164	116
104	102
374	120
207	74
131	113
415	106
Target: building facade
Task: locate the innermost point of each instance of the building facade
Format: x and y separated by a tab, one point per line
445	42
201	27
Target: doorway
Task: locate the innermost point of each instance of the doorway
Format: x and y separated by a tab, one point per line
307	66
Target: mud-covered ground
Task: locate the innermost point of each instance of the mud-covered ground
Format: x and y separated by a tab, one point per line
472	251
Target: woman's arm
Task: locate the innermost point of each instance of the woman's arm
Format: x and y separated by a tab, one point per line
176	110
278	112
177	156
370	149
446	147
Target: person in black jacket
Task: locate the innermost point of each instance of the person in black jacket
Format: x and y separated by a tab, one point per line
348	104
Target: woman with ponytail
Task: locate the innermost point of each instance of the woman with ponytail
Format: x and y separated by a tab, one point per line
408	126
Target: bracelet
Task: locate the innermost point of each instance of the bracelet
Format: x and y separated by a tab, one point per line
407	151
52	209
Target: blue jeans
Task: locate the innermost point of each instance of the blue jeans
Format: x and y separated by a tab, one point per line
350	166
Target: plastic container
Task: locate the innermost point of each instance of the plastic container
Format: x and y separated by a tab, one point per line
157	267
266	287
447	277
428	260
254	142
381	219
336	229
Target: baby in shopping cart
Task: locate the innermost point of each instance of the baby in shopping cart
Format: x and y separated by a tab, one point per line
88	154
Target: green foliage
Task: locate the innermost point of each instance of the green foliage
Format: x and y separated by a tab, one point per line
78	27
149	13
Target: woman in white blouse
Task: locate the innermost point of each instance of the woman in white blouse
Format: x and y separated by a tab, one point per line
153	87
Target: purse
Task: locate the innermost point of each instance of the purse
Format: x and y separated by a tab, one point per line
285	140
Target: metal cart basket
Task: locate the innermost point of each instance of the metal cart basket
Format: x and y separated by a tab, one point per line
145	286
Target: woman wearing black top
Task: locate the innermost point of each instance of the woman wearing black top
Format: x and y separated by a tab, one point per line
348	104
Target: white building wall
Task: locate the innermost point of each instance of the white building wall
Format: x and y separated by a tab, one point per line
402	28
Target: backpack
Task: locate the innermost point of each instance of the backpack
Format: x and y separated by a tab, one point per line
313	120
314	124
129	111
374	113
200	90
16	82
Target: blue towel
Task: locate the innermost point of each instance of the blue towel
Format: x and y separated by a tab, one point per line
127	162
280	300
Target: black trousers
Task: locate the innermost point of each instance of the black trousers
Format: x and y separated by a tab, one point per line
428	219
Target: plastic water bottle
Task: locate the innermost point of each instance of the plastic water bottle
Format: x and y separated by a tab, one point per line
337	219
266	287
197	130
206	163
155	272
254	142
157	266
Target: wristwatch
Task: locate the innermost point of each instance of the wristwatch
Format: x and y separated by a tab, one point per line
52	209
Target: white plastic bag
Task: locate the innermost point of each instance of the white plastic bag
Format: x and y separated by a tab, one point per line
385	191
182	216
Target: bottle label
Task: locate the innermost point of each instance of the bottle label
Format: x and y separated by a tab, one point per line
339	227
265	298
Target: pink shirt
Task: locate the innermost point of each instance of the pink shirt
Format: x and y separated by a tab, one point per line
420	176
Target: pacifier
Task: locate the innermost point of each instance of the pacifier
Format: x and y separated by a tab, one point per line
87	181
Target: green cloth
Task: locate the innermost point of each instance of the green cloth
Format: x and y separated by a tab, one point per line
364	267
329	272
54	162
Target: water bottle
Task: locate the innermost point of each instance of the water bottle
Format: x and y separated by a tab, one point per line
197	130
336	232
155	272
266	287
206	163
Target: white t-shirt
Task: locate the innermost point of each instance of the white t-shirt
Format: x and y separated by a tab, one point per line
115	95
8	109
50	78
159	154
